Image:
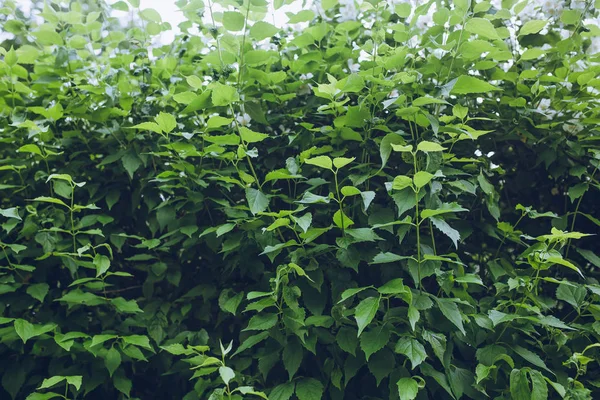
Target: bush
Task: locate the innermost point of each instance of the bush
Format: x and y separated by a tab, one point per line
388	200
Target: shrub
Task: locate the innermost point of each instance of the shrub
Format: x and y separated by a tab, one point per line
388	200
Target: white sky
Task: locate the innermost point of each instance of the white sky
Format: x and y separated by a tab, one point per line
170	13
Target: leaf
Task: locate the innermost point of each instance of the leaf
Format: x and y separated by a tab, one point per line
125	306
482	27
451	311
341	162
401	181
53	200
262	30
131	163
382	364
341	220
446	229
233	21
412	349
251	341
226	374
223	95
468	84
422	178
347	339
374	340
262	322
365	312
309	389
387	257
572	294
150	14
43	396
112	360
292	357
428	147
257	201
321	161
250	136
102	264
166	122
532	27
539	387
408	388
12	212
38	291
24	329
148	126
445	208
283	392
395	286
385	147
519	387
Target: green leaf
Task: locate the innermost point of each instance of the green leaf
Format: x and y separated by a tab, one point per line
365	312
38	291
519	386
382	364
401	182
309	389
250	136
292	357
341	162
151	15
347	339
422	178
283	392
53	200
321	161
482	27
24	329
166	122
262	322
257	201
226	374
223	95
412	349
451	311
445	208
341	220
262	30
233	21
126	306
531	27
395	286
251	341
112	360
539	387
43	396
468	84
428	147
12	212
408	388
572	294
383	258
102	264
446	229
148	126
373	340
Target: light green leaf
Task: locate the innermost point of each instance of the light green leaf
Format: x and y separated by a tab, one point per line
262	30
408	388
482	27
38	291
341	220
321	161
531	27
166	122
374	340
233	21
340	162
468	84
428	147
226	374
401	181
422	178
250	136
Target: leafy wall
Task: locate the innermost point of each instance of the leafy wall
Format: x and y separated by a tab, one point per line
384	200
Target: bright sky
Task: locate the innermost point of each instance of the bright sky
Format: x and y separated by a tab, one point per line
170	13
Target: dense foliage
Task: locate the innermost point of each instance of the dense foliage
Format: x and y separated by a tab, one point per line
383	200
